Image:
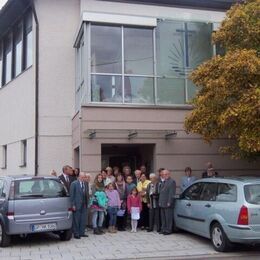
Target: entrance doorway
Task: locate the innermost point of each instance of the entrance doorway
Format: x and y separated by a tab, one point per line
133	155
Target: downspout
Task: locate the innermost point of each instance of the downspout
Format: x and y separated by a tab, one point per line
36	147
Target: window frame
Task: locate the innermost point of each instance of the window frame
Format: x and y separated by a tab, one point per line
183	197
11	32
225	183
204	184
87	99
4	157
24	154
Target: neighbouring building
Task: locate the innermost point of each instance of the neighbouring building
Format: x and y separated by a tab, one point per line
94	83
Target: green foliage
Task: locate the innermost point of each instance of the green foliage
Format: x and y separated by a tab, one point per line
228	101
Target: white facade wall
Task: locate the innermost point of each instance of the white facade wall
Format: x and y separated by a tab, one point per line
58	22
17	115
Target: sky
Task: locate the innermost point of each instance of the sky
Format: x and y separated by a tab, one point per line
2	2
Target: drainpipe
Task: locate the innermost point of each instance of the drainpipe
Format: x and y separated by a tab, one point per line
36	160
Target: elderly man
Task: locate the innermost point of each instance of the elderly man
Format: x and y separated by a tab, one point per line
137	176
205	174
166	202
66	177
152	195
79	195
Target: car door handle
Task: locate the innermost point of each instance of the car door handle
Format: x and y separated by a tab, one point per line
188	204
207	205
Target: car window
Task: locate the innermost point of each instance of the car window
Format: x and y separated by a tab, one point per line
35	188
209	191
193	192
252	193
1	188
227	192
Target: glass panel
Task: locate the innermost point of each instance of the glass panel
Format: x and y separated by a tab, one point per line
1	63
139	90
209	191
28	41
227	192
18	49
193	192
106	88
170	49
198	39
138	48
8	58
170	91
252	193
192	89
106	49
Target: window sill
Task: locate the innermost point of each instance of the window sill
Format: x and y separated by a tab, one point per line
140	106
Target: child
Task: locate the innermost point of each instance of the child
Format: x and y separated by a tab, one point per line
134	206
129	185
114	204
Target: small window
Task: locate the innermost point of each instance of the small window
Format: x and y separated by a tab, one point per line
4	157
18	48
23	153
252	193
2	188
1	63
193	192
227	192
7	58
209	192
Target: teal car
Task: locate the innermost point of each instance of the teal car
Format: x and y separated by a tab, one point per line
225	210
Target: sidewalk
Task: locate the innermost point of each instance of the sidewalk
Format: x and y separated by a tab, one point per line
123	245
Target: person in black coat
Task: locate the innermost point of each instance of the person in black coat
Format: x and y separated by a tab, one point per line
66	177
166	202
79	195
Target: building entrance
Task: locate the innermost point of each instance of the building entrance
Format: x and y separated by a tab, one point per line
133	155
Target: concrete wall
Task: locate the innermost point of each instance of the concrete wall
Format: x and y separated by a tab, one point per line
17	121
151	10
175	154
58	24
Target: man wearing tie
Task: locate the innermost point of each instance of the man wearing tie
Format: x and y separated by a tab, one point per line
65	177
79	195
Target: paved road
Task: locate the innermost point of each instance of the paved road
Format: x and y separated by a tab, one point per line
123	245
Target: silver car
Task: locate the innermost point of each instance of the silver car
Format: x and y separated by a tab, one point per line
33	205
225	210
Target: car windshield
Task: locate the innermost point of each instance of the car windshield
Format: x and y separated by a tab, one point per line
252	193
39	188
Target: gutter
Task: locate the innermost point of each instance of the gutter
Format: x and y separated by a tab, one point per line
36	159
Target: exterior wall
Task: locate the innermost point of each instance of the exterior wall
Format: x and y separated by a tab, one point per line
17	121
151	10
175	154
58	22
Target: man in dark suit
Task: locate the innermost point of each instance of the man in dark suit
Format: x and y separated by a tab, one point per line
79	195
65	177
166	202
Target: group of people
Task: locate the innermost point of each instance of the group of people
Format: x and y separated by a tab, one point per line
118	199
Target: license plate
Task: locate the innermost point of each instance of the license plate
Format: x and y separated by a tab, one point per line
44	227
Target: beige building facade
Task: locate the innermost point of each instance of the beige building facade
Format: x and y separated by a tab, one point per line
109	85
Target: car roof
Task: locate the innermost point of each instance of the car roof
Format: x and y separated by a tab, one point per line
233	179
28	177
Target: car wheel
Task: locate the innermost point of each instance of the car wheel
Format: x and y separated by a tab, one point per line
66	235
5	239
219	239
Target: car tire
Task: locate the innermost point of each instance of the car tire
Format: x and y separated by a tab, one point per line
66	235
5	239
219	239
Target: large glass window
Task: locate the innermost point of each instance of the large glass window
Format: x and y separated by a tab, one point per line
1	63
18	47
145	65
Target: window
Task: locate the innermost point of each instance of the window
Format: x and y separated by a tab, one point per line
144	65
2	188
18	32
16	49
39	188
23	153
193	192
227	192
4	157
252	193
7	68
209	191
28	40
